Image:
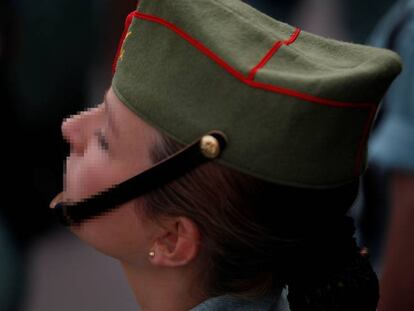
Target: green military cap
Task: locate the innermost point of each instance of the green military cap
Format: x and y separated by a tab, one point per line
297	109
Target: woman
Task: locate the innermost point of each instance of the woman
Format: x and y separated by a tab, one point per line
224	157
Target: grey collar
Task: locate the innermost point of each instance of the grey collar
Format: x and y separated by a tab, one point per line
275	302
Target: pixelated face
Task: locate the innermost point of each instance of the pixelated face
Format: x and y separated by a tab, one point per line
108	144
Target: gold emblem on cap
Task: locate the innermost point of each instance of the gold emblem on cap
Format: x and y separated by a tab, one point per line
210	146
121	55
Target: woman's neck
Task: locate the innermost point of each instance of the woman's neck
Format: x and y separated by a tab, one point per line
158	289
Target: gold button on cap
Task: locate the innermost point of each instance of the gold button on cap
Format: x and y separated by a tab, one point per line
210	146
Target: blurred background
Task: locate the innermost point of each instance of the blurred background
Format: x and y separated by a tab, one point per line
55	60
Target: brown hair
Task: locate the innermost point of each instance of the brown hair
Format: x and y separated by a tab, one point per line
248	226
224	204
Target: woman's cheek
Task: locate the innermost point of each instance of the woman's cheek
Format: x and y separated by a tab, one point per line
85	179
95	179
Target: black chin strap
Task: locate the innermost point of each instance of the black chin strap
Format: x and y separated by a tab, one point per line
208	147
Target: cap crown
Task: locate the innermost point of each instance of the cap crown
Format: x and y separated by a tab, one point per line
297	108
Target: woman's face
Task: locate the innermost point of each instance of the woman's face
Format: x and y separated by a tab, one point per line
109	144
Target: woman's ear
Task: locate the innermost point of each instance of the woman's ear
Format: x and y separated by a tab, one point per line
177	244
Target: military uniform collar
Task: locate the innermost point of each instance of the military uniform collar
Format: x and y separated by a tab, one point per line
274	302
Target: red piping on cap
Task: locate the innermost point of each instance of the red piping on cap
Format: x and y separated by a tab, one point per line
240	76
272	52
